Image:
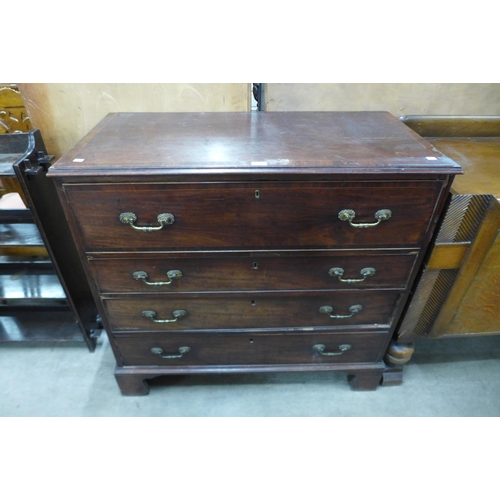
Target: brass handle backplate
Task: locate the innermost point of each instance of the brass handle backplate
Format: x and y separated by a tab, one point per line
320	348
328	310
339	272
380	215
178	314
160	352
143	276
130	218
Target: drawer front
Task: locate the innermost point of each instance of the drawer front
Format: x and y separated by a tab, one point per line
234	349
283	271
256	216
248	311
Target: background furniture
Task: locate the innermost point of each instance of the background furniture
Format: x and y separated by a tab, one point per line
246	242
458	292
44	293
13	119
13	114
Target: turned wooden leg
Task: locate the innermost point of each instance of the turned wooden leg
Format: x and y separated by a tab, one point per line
397	355
131	384
365	380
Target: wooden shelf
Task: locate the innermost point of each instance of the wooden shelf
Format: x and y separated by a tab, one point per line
21	239
20	235
6	162
16	263
23	286
40	326
44	294
16	216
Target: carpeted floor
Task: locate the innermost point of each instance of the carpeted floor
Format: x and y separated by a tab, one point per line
451	377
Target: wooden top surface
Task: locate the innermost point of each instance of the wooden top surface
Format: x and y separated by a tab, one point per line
480	159
278	142
473	142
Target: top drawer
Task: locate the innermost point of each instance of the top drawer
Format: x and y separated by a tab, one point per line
126	217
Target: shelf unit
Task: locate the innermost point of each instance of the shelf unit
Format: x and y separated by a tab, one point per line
44	295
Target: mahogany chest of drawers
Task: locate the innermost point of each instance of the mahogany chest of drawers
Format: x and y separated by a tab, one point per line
247	242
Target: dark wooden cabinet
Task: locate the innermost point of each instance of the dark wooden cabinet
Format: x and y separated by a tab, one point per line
247	242
44	292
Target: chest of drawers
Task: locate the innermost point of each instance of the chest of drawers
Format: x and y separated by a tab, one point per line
251	242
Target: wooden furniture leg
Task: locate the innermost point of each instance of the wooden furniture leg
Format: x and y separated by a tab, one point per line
397	355
131	384
367	380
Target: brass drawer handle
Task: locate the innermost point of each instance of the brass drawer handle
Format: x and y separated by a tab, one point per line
339	272
179	313
321	349
159	352
328	310
130	218
143	276
380	215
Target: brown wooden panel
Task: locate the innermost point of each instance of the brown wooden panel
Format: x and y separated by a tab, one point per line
480	159
454	125
220	216
472	141
447	255
263	190
473	265
479	311
241	311
279	271
232	349
208	143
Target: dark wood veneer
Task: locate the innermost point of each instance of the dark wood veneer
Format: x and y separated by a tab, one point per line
264	143
235	349
256	200
230	216
270	271
236	311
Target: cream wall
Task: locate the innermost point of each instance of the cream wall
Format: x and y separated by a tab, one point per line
65	112
397	98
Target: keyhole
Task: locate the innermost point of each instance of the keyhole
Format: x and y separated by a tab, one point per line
251	341
257	193
253	302
255	265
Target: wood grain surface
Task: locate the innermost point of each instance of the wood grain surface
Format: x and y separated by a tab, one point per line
232	349
230	216
243	311
276	271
